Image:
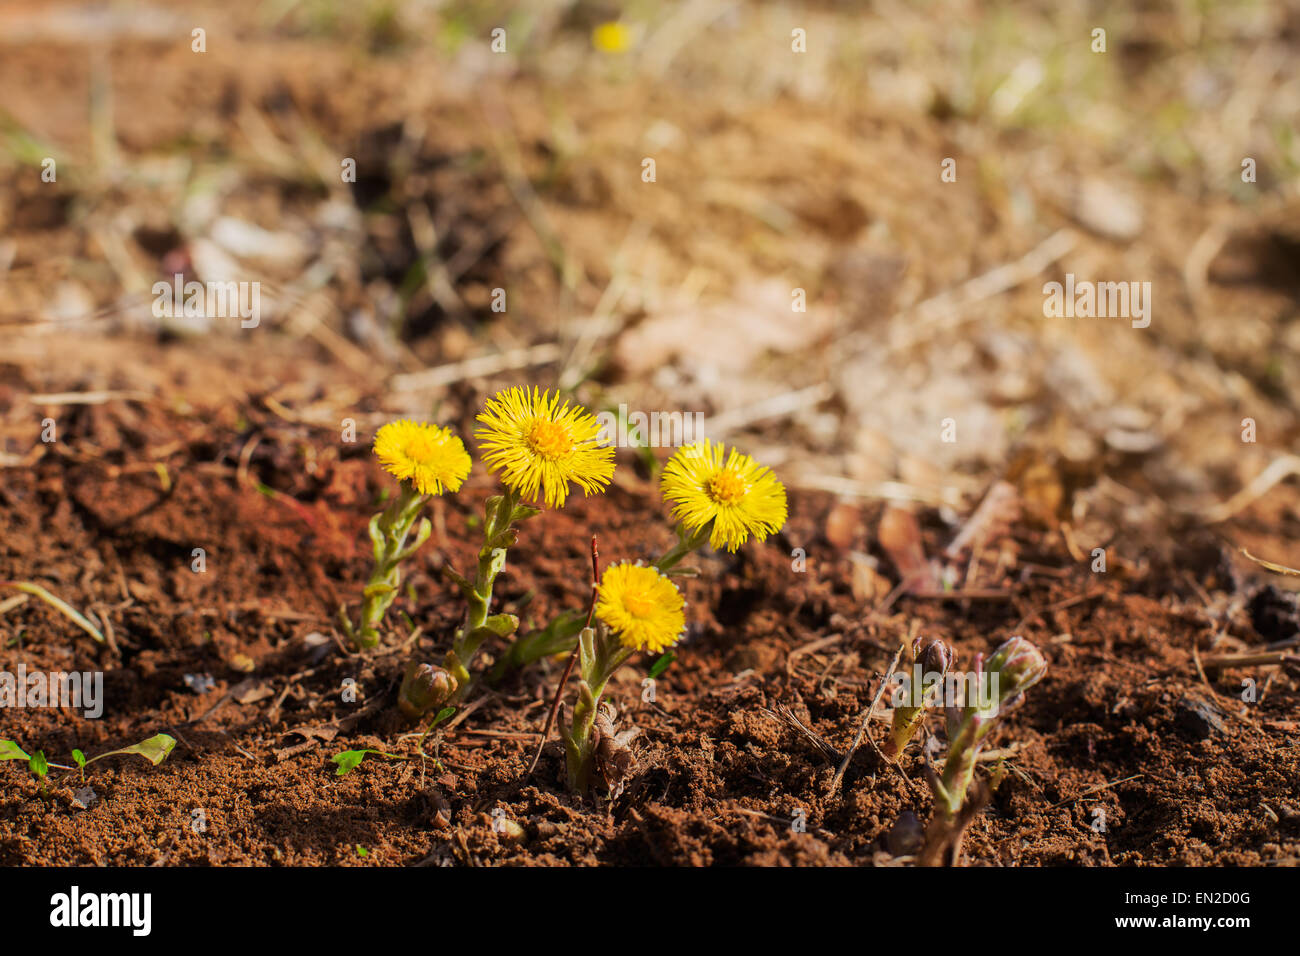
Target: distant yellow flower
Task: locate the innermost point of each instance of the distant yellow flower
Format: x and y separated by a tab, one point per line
541	446
428	456
740	497
642	606
611	37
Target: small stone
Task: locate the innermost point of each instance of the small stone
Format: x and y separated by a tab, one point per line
906	835
199	683
1200	718
1107	210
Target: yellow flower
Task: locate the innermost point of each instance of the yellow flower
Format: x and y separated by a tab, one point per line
426	455
642	606
539	445
611	37
740	497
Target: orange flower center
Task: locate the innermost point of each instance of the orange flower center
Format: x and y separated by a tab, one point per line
638	604
549	439
726	488
420	448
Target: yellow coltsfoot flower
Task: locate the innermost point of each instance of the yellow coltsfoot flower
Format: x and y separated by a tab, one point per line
738	495
611	37
429	457
642	607
540	446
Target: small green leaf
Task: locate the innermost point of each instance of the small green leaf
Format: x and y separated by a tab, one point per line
662	664
502	625
155	749
362	851
490	509
466	589
442	715
421	535
377	538
11	751
38	765
346	621
348	760
79	758
524	512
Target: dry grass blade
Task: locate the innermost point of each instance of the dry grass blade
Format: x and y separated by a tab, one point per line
1264	659
1279	568
1280	469
479	366
784	713
866	719
67	610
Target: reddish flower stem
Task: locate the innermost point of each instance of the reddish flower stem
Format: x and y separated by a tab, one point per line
573	659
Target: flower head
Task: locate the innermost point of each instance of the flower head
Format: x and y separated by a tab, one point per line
540	445
739	496
1019	665
428	456
642	606
611	37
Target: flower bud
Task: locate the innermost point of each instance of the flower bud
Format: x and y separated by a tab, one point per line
424	687
1018	665
934	655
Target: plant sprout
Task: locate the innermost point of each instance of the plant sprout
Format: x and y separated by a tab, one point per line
155	750
639	608
425	459
933	657
1012	669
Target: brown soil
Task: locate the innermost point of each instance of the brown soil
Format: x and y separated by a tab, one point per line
720	770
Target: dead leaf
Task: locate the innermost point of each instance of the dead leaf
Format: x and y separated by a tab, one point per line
843	524
250	691
900	536
615	762
312	737
869	585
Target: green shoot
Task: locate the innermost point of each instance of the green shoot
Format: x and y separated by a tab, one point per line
349	760
155	750
664	662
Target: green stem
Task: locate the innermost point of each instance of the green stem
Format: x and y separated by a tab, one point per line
498	536
388	532
600	655
959	769
687	543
